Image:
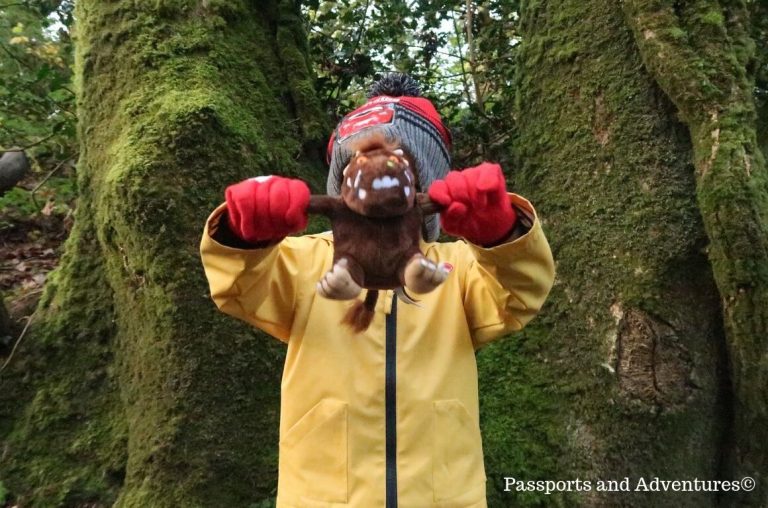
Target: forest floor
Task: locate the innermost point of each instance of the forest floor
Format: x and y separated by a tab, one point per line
33	227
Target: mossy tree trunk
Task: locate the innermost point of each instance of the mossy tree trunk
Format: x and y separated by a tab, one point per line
701	55
132	388
637	142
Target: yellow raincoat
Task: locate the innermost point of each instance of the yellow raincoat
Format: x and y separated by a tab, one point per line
388	417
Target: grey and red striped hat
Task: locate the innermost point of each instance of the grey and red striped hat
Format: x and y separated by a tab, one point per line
396	109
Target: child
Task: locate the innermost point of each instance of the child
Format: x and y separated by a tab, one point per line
388	416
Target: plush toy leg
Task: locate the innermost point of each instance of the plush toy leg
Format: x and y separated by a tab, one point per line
338	283
422	275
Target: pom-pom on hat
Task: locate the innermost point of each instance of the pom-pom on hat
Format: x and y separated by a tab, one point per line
396	109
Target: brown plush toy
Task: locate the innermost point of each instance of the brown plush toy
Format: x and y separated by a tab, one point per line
376	226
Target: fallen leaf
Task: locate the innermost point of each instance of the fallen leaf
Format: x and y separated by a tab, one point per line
48	208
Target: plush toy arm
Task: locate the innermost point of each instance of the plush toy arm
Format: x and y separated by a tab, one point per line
321	204
427	205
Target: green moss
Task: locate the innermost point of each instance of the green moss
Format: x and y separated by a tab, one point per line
292	43
677	33
518	416
714	18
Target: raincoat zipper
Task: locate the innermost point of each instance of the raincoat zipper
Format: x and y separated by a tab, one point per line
390	405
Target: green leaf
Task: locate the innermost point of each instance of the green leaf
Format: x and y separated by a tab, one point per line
43	72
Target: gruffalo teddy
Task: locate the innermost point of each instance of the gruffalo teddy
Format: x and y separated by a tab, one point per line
376	224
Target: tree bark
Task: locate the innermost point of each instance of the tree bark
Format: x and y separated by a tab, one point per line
5	321
132	388
624	373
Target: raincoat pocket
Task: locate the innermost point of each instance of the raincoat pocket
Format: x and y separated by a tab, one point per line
458	473
313	454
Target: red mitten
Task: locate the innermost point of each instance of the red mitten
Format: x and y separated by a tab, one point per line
475	204
267	208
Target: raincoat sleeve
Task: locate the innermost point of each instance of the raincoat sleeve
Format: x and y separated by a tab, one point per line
261	286
506	285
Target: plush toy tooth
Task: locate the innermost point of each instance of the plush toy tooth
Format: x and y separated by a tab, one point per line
385	182
389	181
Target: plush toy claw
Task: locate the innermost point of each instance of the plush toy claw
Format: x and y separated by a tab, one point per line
338	284
475	204
423	275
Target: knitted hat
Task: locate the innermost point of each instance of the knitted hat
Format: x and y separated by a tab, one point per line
396	109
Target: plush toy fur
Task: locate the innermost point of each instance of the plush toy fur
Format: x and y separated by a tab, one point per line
376	226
